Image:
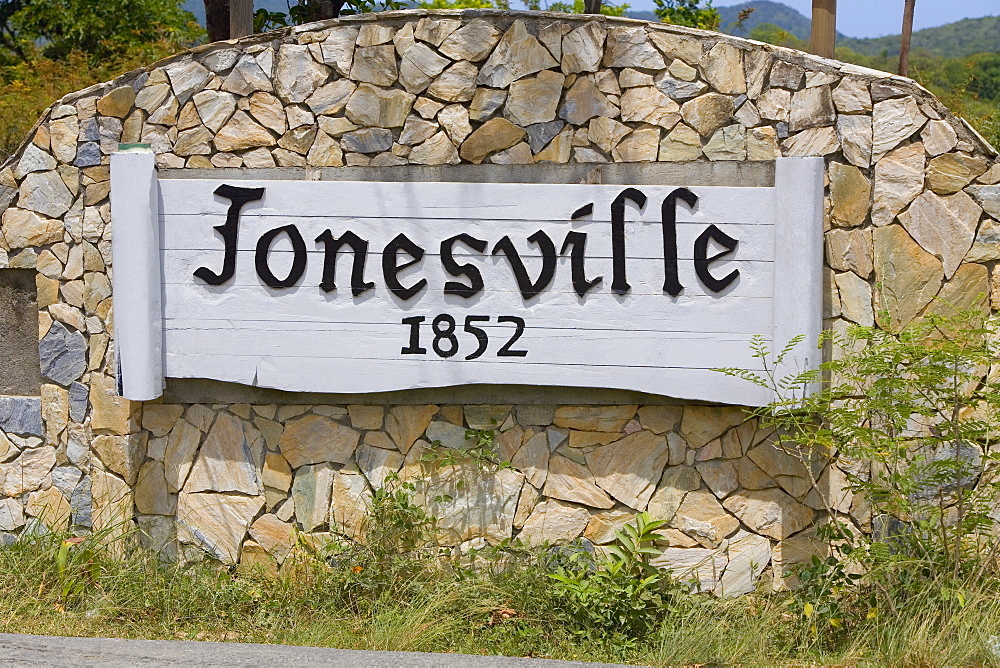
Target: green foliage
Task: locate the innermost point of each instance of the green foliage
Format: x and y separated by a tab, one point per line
463	4
954	40
689	13
623	594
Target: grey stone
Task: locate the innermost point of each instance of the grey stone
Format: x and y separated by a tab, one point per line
449	435
45	193
63	354
678	89
88	155
368	140
90	130
540	134
81	504
66	478
21	415
535	415
77	402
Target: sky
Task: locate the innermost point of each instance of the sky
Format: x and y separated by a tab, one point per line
875	18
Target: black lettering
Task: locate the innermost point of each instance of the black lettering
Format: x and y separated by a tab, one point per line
668	217
391	266
619	283
702	262
518	323
229	231
528	288
298	257
455	269
414	347
577	241
358	246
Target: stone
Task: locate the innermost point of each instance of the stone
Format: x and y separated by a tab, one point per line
786	75
435	31
331	98
724	69
813	142
298	75
631	47
593	418
485	102
646	104
850	193
851	96
811	108
311	439
276	474
660	419
949	173
44	193
584	101
762	144
850	250
88	155
455	84
472	42
899	178
325	152
350	499
66	478
226	462
606	132
416	131
702	517
943	226
583	48
438	150
708	113
535	99
603	526
337	49
405	424
241	133
28	472
641	145
11	515
366	417
182	444
378	107
377	65
495	134
681	144
769	512
63	354
110	412
447	435
554	521
987	197
476	506
702	424
486	416
276	537
540	134
24	229
33	159
517	54
187	77
151	494
629	468
367	140
571	481
217	523
938	137
855	299
894	121
775	105
455	120
855	134
678	89
373	34
419	65
159	419
909	276
729	143
720	475
700	568
377	463
748	556
532	459
311	494
748	115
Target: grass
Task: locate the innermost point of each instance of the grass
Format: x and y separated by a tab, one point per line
421	604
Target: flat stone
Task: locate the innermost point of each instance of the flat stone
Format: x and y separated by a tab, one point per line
786	75
702	424
120	454
517	55
855	134
535	99
851	96
571	481
949	173
217	523
938	137
702	517
454	119
850	193
584	101
45	193
594	418
66	478
630	47
721	476
438	150
811	108
378	107
605	132
943	226
34	159
241	133
151	494
583	48
660	419
480	506
325	152
724	69
159	419
81	504
769	512
11	515
182	444
367	140
700	567
641	145
749	555
532	459
554	521
910	277
987	197
372	34
275	536
850	250
63	354
226	462
405	424
472	42
186	78
678	89
25	229
486	416
311	495
647	104
629	469
603	526
455	84
899	178
28	472
435	31
708	113
495	134
377	463
812	142
313	438
377	65
298	74
485	103
894	121
681	144
337	50
729	143
109	412
540	134
349	502
762	144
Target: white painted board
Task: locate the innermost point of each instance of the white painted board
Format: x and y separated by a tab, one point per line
304	338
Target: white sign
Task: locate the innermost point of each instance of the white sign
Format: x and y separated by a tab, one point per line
336	286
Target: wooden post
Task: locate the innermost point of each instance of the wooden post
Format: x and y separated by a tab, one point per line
904	45
824	27
240	18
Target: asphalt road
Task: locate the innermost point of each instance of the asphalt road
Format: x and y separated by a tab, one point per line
28	650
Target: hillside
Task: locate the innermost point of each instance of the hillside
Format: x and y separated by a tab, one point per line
954	40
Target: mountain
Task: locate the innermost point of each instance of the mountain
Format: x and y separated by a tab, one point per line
764	11
954	40
197	7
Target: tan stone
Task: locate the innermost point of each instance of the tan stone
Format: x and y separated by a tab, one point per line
748	556
534	100
51	507
350	499
698	568
724	69
325	152
629	469
708	113
151	494
377	65
472	42
729	143
640	146
852	97
851	194
584	101
275	536
435	31
455	84
850	250
811	108
217	523
949	173
769	512
438	150
899	178
532	459
673	485
159	419
554	521
594	418
605	132
855	134
455	120
894	121
495	134
583	48
517	55
25	229
312	439
660	419
366	417
967	290
681	144
558	149
419	66
939	137
117	103
702	424
298	75
762	144
812	142
686	47
485	102
943	226
226	460
378	107
702	517
630	47
405	424
774	105
28	472
570	481
55	411
647	104
986	247
603	526
110	412
112	510
241	133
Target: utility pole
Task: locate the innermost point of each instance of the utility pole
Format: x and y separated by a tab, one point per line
824	27
904	45
240	18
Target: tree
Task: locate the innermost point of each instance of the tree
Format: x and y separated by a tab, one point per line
688	13
904	45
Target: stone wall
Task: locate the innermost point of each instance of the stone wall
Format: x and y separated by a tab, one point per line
912	210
